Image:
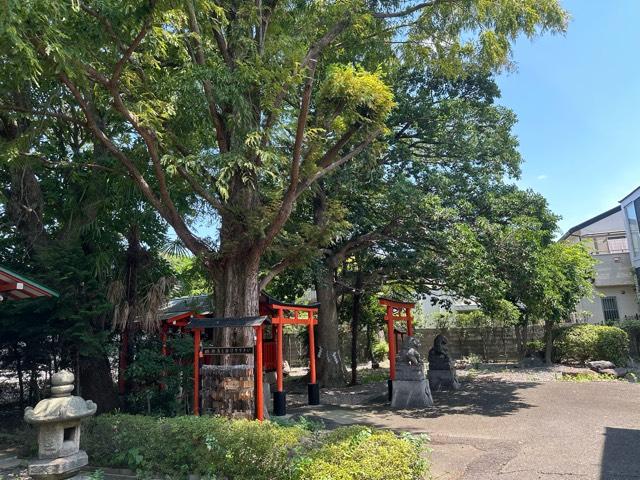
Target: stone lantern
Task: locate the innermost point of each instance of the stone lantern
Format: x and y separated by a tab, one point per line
58	421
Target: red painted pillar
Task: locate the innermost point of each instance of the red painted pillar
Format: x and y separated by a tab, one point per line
279	358
313	389
312	351
258	374
279	399
196	371
392	344
409	322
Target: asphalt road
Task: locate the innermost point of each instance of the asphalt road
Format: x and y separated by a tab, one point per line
506	430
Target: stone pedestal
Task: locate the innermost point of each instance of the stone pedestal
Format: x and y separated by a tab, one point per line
442	374
443	380
58	421
411	394
59	468
410	388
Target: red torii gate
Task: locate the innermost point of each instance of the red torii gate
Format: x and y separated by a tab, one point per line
283	313
396	311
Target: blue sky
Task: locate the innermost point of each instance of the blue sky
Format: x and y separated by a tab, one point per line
577	98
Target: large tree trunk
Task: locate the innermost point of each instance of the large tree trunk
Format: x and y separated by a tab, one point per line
355	326
548	335
96	382
331	369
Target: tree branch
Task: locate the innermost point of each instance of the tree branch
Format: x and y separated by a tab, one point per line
28	111
170	215
200	190
218	122
336	163
407	11
117	69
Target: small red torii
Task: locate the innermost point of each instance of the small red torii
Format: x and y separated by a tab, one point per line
396	311
269	348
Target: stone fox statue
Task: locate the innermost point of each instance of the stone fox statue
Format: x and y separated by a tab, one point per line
409	353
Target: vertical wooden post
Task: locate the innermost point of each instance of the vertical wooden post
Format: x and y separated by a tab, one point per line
392	350
258	374
409	322
279	355
392	343
312	350
313	387
196	371
279	401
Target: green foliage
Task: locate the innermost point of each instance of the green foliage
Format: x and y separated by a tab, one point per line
161	383
360	453
217	447
380	350
587	377
632	327
586	342
535	346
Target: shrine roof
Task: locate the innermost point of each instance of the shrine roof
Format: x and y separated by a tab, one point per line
16	287
206	322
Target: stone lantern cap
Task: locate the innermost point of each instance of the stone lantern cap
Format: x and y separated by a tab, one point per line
62	406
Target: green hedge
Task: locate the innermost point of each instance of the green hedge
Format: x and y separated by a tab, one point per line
216	447
586	342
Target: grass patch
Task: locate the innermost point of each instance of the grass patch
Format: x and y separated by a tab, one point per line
587	377
370	375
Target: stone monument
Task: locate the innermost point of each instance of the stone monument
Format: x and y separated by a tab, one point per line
410	387
442	374
58	421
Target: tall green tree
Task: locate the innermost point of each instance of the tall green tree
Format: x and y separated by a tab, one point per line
239	107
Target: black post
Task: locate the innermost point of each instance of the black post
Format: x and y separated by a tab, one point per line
279	403
314	393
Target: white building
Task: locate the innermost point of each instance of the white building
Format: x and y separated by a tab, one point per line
616	293
631	208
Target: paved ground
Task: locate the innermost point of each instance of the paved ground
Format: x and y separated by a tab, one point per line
506	430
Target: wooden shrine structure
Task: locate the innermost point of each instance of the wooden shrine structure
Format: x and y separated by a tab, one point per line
17	287
193	316
396	311
236	389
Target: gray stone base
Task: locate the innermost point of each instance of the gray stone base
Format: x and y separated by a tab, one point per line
58	468
266	398
409	394
443	380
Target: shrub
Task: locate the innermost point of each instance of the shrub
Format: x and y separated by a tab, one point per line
359	453
632	327
535	347
380	351
216	447
593	342
178	446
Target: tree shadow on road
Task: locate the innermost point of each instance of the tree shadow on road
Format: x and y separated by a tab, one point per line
491	398
620	459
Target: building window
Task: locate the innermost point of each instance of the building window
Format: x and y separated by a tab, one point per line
632	220
610	308
617	245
